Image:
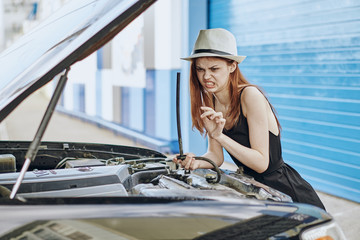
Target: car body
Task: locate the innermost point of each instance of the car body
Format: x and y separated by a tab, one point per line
72	190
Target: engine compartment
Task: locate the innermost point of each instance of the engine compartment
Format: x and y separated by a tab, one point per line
83	170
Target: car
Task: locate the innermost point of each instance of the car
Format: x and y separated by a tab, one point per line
74	190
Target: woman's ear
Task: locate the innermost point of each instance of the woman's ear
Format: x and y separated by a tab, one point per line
233	66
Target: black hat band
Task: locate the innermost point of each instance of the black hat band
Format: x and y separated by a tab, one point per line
211	51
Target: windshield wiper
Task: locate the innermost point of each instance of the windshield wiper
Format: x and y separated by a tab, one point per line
33	148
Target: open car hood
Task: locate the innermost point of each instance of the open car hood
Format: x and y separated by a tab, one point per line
69	35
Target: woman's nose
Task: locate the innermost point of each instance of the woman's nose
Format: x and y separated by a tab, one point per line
207	75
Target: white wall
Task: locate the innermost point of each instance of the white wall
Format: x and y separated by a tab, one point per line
167	16
2	39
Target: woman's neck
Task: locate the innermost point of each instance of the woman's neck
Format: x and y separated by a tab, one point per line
222	101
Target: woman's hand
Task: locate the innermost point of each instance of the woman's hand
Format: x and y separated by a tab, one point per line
189	162
214	121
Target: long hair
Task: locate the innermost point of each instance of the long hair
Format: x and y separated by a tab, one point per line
200	97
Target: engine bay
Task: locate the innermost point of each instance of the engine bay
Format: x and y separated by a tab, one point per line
83	170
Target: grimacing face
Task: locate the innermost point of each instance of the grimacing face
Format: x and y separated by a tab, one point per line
213	73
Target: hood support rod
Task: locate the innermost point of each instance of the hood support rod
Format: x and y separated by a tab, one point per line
182	156
33	148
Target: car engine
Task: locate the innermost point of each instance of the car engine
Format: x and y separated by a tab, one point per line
83	170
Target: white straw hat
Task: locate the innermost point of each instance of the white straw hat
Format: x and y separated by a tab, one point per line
216	42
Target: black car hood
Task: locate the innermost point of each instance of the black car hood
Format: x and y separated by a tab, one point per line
158	218
69	35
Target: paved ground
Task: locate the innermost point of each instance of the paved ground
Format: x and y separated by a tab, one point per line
22	124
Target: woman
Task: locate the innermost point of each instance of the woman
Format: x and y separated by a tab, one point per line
237	116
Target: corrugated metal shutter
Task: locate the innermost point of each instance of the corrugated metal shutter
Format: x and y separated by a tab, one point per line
306	55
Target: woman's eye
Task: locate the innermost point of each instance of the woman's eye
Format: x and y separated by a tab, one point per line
199	69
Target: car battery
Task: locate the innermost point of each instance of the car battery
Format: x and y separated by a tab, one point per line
7	163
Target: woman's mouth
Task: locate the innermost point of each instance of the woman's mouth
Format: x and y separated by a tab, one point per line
209	84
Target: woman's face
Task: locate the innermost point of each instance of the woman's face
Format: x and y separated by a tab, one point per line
213	73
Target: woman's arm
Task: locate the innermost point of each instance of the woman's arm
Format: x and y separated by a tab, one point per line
214	153
254	107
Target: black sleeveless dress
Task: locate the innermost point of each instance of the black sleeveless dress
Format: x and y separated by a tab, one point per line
279	175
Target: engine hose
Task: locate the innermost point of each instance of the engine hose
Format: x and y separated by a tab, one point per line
216	168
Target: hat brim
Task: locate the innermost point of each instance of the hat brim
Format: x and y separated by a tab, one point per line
238	59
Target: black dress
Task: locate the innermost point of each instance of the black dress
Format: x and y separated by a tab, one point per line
279	175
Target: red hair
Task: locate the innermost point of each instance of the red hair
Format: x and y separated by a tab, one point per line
200	97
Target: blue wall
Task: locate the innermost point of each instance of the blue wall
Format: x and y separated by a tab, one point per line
306	55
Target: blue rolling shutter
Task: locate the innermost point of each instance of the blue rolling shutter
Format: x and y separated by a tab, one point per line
306	56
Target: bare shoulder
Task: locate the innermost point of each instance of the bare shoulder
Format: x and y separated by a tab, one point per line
251	98
251	94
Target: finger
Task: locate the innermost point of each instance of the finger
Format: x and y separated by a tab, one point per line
183	163
188	164
206	108
210	114
205	115
221	121
217	115
176	160
189	155
193	165
187	158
